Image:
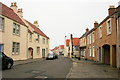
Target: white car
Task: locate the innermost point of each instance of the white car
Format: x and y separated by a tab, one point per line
50	56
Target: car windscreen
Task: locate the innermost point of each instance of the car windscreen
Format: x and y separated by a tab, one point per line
0	54
50	54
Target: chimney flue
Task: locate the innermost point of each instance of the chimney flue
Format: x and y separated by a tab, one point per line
95	24
14	7
87	29
36	23
111	10
20	12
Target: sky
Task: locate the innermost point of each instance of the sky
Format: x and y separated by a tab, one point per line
60	18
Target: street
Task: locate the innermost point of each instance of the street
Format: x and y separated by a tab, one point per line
57	68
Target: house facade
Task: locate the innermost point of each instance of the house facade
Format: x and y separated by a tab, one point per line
103	40
13	33
26	40
61	49
83	45
66	47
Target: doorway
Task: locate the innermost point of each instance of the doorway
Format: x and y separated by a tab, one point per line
30	53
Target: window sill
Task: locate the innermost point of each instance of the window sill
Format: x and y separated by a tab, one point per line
101	37
1	30
109	34
15	53
16	34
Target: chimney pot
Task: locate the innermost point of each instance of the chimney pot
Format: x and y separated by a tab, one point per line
15	4
11	4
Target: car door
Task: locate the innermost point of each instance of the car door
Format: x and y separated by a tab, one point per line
4	60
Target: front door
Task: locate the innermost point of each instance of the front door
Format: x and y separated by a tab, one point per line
43	53
100	54
1	47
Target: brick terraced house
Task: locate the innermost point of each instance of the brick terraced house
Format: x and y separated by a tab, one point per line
102	43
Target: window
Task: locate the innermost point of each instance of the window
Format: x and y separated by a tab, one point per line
38	50
108	27
1	24
47	50
93	51
43	41
90	38
30	37
15	48
100	32
93	37
46	41
90	50
38	37
85	41
76	48
14	26
18	29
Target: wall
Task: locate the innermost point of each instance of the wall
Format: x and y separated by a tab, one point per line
8	38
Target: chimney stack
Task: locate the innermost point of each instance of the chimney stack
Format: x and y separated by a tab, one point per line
36	23
20	12
87	29
111	10
95	24
14	7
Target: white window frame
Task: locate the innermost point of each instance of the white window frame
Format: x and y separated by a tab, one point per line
93	37
90	51
93	51
109	28
14	28
38	50
16	47
2	24
90	38
46	41
18	29
43	40
100	31
30	37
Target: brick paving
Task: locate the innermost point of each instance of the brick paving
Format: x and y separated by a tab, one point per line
91	69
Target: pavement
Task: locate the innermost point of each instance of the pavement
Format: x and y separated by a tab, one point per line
91	69
21	62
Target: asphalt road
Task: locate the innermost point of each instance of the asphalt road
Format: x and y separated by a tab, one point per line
57	68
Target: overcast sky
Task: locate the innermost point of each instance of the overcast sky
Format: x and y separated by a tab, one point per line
58	18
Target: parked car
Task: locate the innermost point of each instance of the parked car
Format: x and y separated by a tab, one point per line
50	56
7	62
55	55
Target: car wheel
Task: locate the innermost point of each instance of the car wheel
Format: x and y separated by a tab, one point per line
9	65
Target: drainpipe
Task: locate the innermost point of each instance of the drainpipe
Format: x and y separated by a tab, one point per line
118	37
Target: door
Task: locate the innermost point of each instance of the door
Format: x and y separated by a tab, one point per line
100	54
1	47
43	53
